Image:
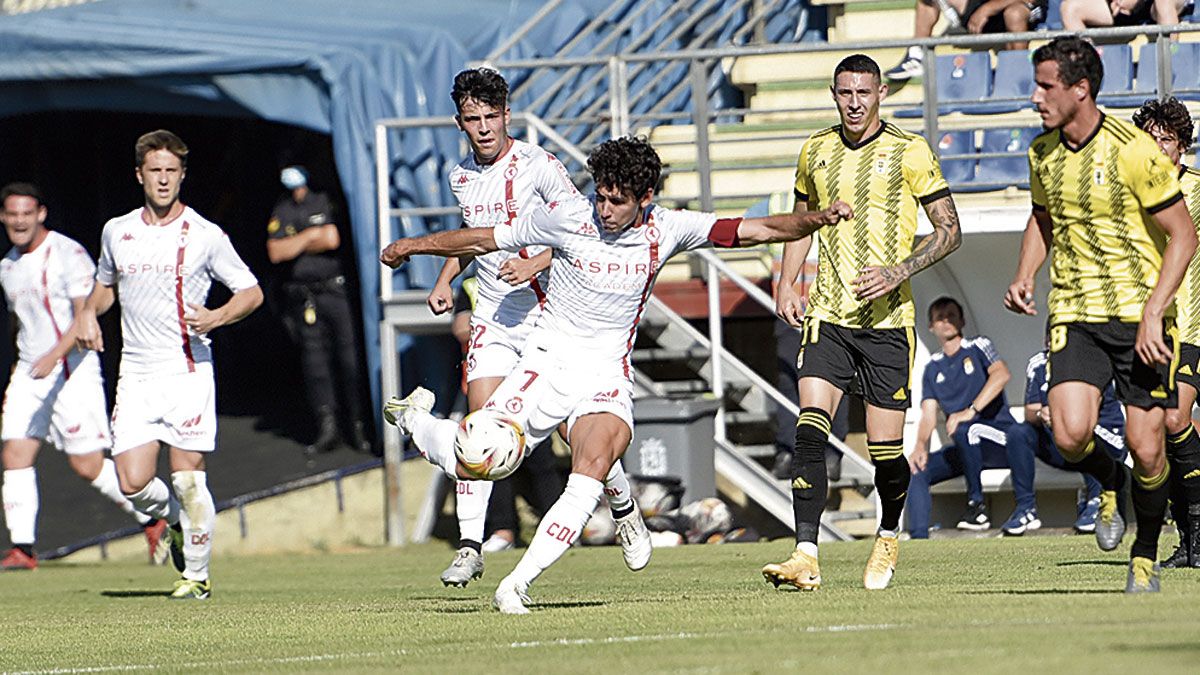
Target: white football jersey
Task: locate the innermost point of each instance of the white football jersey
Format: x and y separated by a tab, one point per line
39	286
600	282
159	270
517	183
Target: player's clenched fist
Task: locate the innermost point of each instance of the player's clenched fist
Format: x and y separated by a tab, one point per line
837	212
396	254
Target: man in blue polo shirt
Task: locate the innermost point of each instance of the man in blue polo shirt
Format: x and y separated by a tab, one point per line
1036	434
966	381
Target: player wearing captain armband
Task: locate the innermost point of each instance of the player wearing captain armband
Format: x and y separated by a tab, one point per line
607	253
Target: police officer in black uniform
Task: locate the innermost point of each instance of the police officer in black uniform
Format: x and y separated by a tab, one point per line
303	238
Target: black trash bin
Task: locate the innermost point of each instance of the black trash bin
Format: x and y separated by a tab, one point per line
674	437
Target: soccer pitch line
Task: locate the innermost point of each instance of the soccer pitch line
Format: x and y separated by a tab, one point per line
535	644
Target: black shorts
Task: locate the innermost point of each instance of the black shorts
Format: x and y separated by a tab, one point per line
1097	353
1189	365
881	358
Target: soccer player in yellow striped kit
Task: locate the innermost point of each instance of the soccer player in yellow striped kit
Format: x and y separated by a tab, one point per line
1111	203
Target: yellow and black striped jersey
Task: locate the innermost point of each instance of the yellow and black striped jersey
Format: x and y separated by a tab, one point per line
882	178
1107	251
1187	300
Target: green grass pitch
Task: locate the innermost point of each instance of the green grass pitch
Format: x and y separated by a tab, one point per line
1038	604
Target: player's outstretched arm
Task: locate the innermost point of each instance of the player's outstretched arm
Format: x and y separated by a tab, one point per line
788	304
1035	243
1177	223
85	326
465	241
790	226
876	282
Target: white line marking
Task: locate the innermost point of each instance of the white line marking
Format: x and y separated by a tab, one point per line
319	658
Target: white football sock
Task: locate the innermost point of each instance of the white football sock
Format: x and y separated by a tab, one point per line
807	548
560	527
106	484
20	496
471	505
616	488
197	518
434	437
155	500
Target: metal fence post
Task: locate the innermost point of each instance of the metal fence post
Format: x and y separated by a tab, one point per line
929	107
1163	51
699	83
618	97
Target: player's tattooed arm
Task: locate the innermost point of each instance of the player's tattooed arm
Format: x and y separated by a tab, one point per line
465	241
875	282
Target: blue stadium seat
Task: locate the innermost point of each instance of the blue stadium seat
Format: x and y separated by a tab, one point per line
963	81
1185	74
1053	16
1119	77
1013	80
957	171
1001	172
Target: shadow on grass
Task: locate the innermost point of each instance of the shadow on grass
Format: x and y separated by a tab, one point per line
1047	591
135	594
1108	563
567	605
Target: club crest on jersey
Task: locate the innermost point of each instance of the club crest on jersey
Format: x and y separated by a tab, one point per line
881	163
968	366
653	235
514	405
1098	175
510	172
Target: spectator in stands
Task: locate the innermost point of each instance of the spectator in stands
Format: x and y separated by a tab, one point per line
537	475
975	16
1035	435
1084	14
966	380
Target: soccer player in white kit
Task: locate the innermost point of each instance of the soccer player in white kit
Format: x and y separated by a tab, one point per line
500	181
575	366
164	258
55	393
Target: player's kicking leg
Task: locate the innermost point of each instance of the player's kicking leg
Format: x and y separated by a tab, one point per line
434	439
597	441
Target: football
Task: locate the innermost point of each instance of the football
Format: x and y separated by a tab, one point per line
489	445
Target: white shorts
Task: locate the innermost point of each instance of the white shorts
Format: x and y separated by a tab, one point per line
68	412
549	386
179	410
494	349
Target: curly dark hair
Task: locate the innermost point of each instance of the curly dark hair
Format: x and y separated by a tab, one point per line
1169	115
628	164
481	84
1077	60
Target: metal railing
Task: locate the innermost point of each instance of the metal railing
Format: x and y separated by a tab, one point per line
619	119
616	115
